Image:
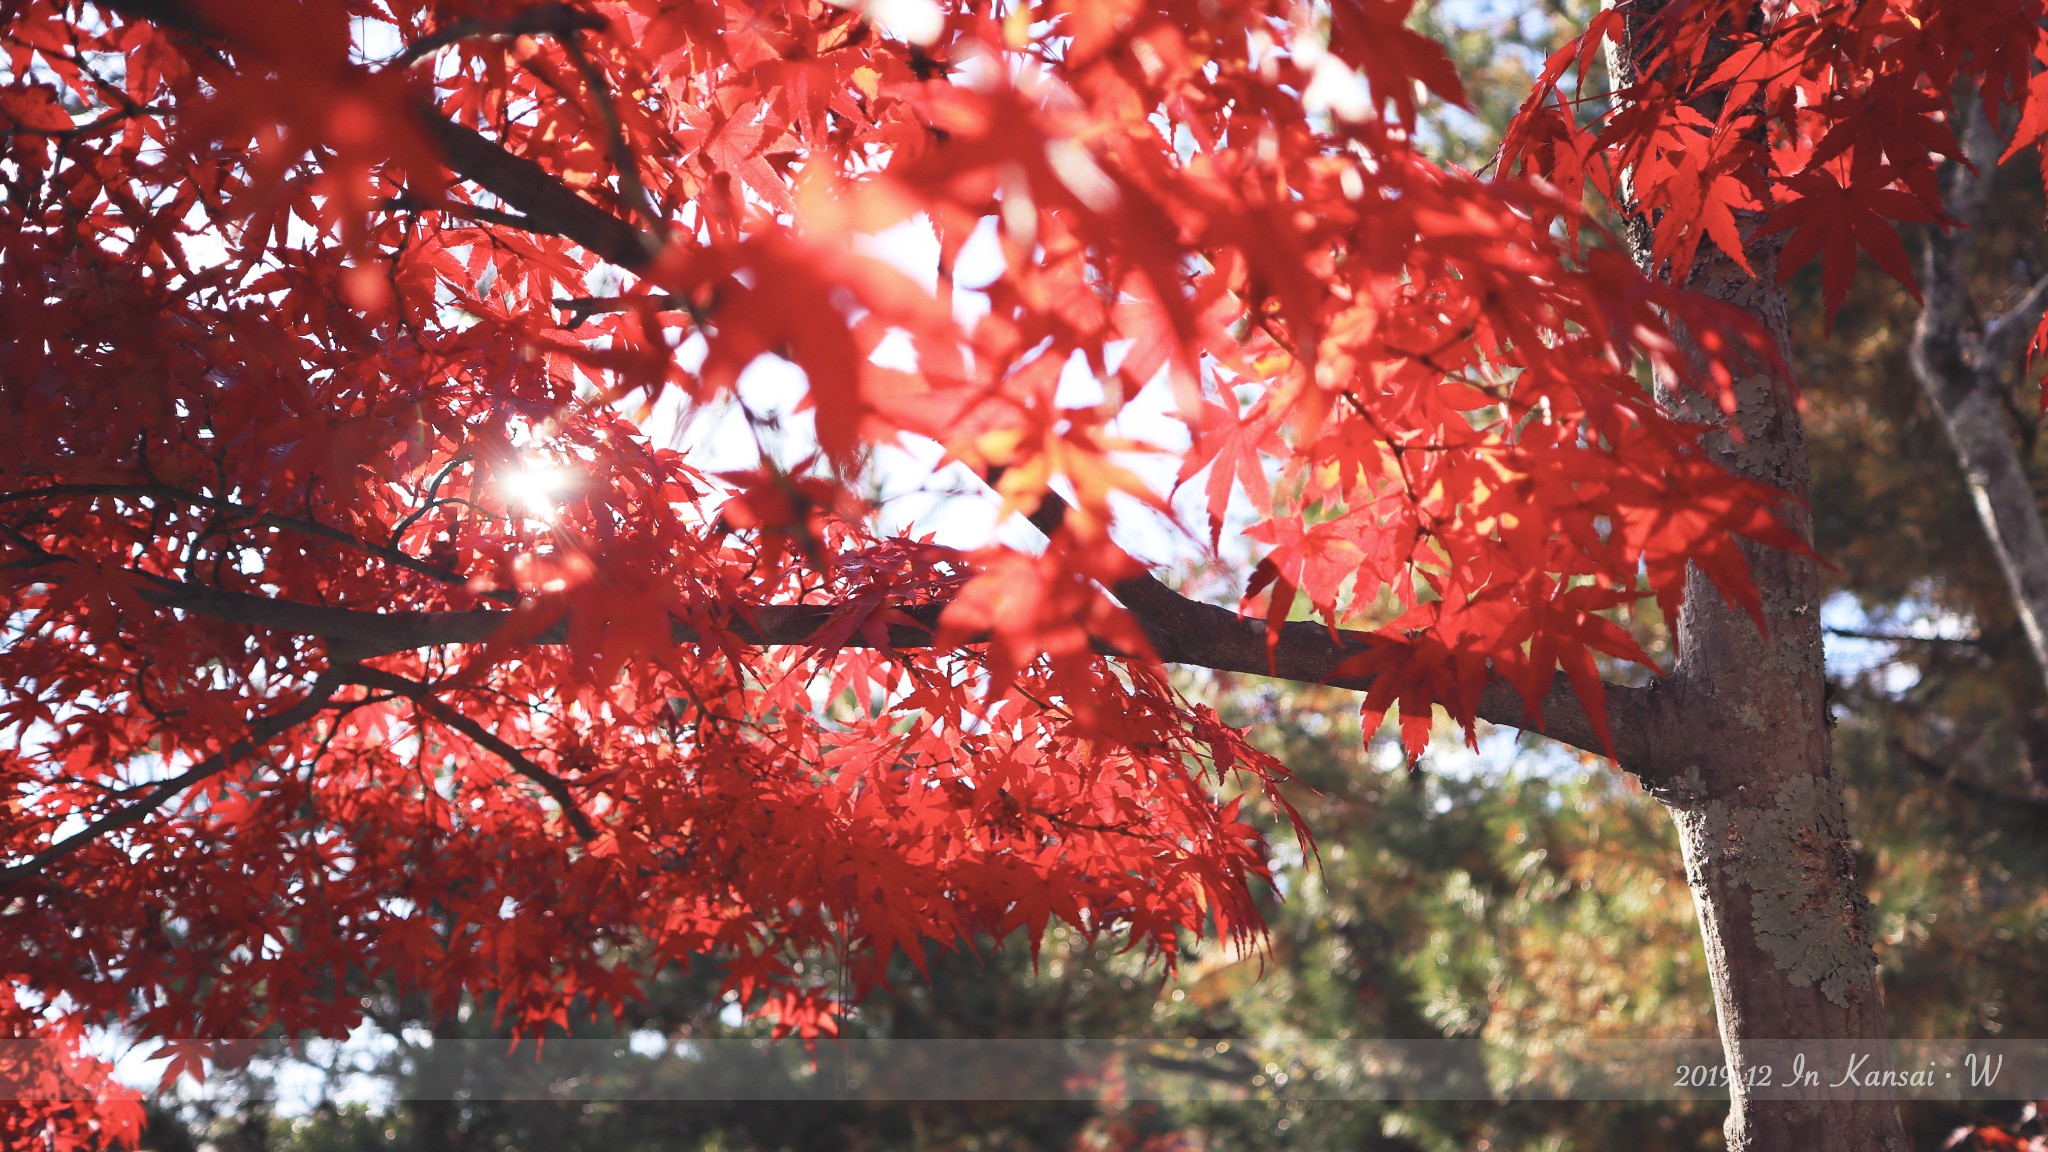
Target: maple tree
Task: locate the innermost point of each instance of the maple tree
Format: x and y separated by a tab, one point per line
301	693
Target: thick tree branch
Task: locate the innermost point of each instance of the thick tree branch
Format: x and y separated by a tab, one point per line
546	203
423	696
1961	368
1755	792
172	15
260	733
1181	630
1186	631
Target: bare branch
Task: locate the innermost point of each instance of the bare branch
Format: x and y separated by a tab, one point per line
1186	631
2007	333
548	204
634	190
1899	638
411	203
582	308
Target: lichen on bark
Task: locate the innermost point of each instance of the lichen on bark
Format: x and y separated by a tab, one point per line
1792	855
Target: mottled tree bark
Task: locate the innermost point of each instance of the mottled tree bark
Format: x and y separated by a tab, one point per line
1743	764
1748	778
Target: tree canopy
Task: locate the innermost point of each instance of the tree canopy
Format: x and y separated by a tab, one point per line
300	303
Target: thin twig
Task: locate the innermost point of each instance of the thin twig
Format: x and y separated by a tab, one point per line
1896	638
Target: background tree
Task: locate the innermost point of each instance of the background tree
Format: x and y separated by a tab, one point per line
1473	469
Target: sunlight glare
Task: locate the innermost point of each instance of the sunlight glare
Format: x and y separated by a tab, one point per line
537	489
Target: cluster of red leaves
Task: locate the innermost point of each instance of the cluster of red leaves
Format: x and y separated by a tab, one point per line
281	323
52	1097
1829	122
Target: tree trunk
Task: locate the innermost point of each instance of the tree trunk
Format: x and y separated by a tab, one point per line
1745	770
1749	782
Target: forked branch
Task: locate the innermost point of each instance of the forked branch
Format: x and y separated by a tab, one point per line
422	696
